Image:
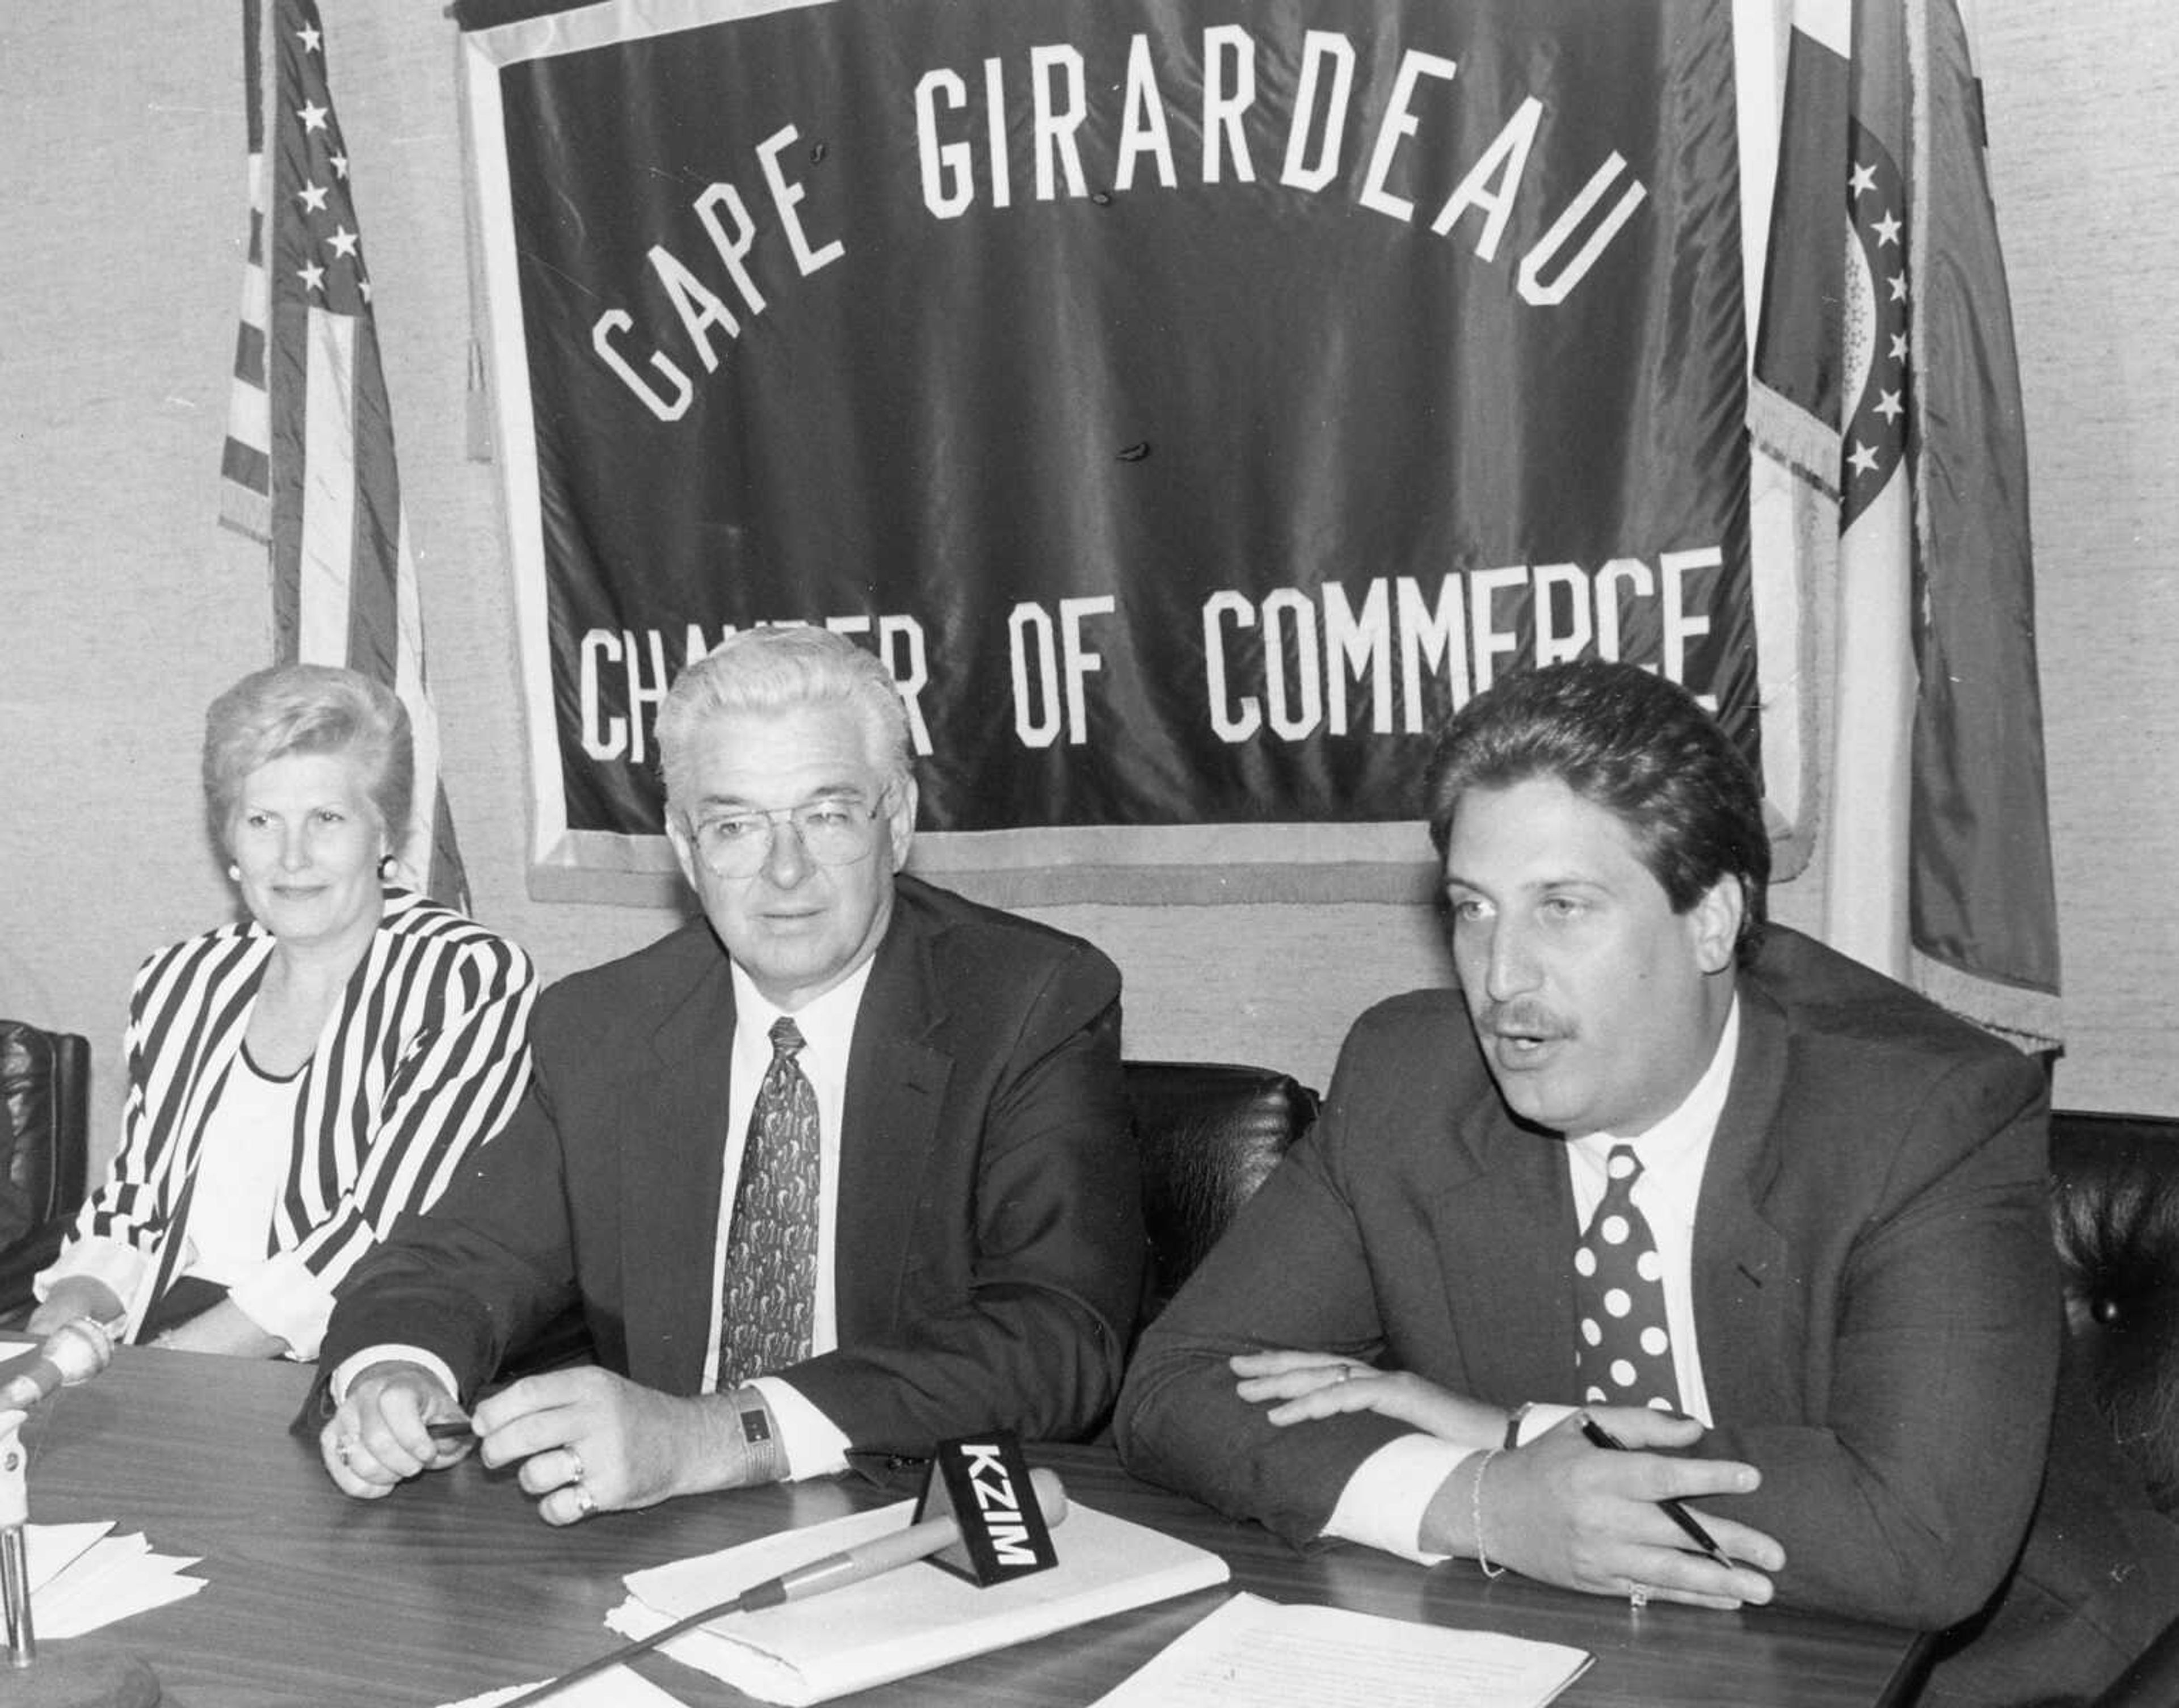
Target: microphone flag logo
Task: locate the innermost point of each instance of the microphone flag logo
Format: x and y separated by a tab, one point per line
981	1482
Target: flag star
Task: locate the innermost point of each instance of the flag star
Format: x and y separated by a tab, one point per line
313	197
340	164
343	241
1864	458
1863	181
312	275
1887	405
1898	283
313	115
1899	346
309	38
1887	229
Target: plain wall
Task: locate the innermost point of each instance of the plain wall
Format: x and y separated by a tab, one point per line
121	225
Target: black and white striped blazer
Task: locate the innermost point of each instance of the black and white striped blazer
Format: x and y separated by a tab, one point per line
424	1060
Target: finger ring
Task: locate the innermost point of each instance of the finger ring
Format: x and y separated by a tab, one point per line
341	1450
1638	1596
586	1503
1346	1373
574	1459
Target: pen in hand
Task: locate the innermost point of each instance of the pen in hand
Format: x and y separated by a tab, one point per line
451	1428
1598	1435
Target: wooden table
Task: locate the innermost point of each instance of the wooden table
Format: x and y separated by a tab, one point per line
451	1586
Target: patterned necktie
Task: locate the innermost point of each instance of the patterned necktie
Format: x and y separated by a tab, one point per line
770	1286
1625	1357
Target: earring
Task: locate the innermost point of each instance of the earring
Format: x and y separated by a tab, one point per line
386	866
234	873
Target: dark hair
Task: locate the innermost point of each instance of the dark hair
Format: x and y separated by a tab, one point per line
1634	744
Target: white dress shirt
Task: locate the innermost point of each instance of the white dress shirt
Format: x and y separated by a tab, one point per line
1383	1503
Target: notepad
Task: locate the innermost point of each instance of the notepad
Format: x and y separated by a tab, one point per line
907	1621
1268	1654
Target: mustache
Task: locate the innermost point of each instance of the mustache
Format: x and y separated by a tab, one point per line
1523	1017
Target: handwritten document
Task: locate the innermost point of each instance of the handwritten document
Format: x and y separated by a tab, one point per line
1268	1654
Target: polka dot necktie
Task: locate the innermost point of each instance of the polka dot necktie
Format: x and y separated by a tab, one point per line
1625	1357
771	1285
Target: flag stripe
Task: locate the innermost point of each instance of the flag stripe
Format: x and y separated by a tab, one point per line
324	516
373	643
1983	896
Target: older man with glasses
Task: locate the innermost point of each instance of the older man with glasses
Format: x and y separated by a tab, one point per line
844	1166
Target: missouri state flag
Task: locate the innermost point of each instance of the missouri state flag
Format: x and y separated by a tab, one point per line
1885	384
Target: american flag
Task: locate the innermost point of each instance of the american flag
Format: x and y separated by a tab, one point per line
308	465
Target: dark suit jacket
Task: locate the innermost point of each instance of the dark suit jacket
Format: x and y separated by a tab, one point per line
989	1233
1876	1298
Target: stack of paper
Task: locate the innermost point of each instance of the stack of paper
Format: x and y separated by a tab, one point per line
1265	1654
82	1578
614	1687
904	1622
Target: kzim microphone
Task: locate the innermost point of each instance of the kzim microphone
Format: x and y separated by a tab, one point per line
74	1352
979	1527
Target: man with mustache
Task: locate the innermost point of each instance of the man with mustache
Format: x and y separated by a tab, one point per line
1660	1177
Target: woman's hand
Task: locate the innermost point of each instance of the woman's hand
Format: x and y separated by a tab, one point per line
1299	1387
381	1435
73	1300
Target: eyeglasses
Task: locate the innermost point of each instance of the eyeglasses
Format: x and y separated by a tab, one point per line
835	831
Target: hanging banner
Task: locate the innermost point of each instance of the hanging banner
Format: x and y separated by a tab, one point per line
1190	406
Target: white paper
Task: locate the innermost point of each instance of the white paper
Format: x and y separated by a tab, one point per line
82	1578
903	1622
615	1687
1267	1655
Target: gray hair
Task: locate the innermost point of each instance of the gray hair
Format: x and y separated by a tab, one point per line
310	709
779	669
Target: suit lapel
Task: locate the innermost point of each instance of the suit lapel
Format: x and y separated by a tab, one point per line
1506	1233
896	1078
1737	1252
670	1169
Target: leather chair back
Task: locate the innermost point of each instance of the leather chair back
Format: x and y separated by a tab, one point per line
2114	1216
1208	1134
45	1132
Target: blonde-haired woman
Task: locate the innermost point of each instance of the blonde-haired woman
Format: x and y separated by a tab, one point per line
298	1079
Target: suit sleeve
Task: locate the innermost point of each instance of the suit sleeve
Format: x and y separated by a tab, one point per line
455	1082
115	1234
1291	1272
1907	1498
1035	1339
492	1262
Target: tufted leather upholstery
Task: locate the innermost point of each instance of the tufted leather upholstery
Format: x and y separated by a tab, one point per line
1208	1134
2115	1214
44	1081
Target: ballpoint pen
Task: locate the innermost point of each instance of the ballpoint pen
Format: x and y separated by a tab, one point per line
1600	1436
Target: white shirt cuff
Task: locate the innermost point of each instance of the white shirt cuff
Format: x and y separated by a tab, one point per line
811	1442
348	1369
1383	1503
283	1298
1540	1420
124	1269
